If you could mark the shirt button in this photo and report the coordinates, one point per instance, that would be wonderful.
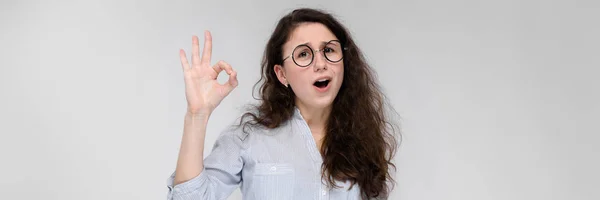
(273, 168)
(323, 192)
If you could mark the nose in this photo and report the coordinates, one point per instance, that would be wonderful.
(320, 61)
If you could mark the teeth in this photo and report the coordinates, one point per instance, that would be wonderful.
(322, 80)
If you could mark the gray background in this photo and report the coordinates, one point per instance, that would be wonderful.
(499, 99)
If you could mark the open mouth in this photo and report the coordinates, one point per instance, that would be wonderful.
(322, 83)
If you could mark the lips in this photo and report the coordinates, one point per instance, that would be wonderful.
(321, 84)
(322, 81)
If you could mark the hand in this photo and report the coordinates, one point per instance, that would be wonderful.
(202, 91)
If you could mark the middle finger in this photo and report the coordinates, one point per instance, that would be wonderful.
(207, 51)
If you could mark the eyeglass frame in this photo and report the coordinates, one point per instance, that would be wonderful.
(312, 59)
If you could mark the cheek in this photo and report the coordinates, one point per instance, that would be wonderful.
(297, 78)
(339, 72)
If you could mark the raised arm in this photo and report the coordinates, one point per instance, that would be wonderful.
(203, 95)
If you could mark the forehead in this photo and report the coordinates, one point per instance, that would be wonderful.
(312, 33)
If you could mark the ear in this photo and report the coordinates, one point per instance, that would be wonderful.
(280, 72)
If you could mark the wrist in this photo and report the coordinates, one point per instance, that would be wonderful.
(199, 113)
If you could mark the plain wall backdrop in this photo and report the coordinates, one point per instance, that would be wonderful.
(499, 99)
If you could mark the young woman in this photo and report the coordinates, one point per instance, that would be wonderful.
(321, 130)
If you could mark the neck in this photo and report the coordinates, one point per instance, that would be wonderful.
(316, 118)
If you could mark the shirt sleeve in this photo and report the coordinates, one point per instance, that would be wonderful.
(221, 173)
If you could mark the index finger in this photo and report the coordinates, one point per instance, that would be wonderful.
(207, 51)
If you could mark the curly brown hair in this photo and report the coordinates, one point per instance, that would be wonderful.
(360, 140)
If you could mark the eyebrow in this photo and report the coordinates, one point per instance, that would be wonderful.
(322, 42)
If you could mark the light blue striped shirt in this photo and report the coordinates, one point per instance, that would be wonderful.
(267, 164)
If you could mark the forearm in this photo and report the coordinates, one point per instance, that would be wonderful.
(191, 153)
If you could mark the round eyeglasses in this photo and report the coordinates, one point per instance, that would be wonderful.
(303, 55)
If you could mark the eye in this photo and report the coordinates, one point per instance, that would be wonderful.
(302, 54)
(328, 50)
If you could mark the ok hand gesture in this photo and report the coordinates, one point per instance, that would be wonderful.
(202, 91)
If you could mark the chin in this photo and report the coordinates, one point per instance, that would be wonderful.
(318, 100)
(316, 103)
(323, 103)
